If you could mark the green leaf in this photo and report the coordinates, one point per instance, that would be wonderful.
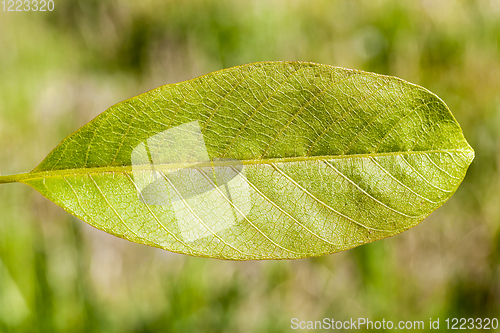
(271, 160)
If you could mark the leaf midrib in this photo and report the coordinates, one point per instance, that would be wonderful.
(176, 166)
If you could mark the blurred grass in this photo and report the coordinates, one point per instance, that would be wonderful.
(58, 70)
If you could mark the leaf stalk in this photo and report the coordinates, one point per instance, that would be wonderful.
(13, 178)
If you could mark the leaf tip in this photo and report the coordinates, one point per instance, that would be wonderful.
(470, 154)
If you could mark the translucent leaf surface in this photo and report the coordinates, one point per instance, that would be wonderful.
(272, 160)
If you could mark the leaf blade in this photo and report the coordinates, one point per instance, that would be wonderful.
(310, 138)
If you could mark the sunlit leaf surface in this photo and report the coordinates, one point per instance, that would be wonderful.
(272, 160)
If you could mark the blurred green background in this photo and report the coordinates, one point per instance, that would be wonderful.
(60, 69)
